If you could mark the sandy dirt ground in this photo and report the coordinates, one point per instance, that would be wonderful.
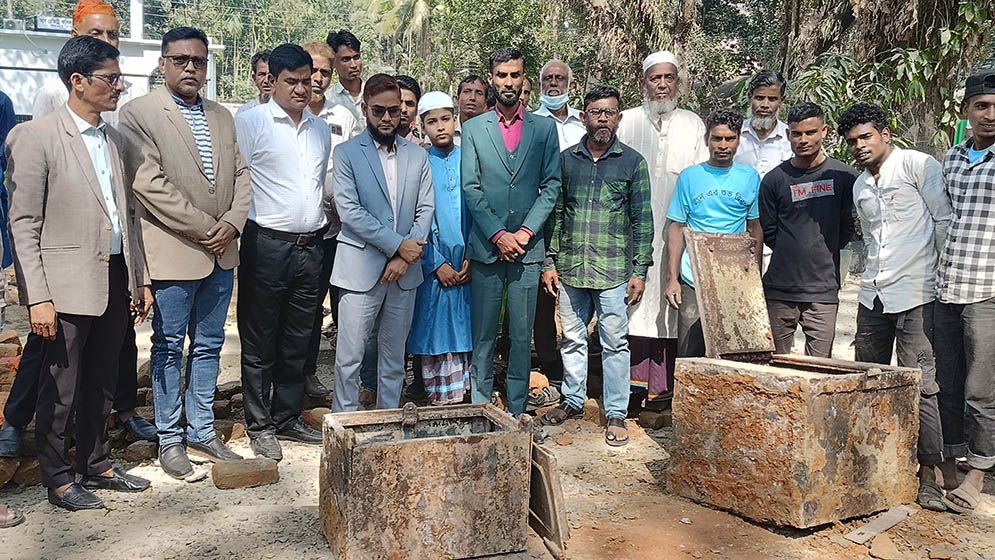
(617, 506)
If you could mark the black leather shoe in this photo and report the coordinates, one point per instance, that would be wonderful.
(75, 499)
(120, 481)
(266, 445)
(174, 461)
(10, 441)
(213, 450)
(300, 432)
(141, 428)
(314, 388)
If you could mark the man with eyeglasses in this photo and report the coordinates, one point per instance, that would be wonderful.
(78, 252)
(92, 18)
(383, 192)
(599, 251)
(189, 177)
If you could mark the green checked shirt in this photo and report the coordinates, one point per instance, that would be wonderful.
(602, 226)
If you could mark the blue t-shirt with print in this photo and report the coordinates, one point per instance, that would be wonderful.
(713, 199)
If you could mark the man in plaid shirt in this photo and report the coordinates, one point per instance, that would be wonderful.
(965, 313)
(600, 249)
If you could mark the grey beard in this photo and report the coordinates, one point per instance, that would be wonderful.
(661, 106)
(765, 124)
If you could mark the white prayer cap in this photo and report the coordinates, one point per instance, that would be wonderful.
(434, 100)
(659, 57)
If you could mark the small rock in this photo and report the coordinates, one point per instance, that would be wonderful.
(227, 390)
(8, 350)
(563, 439)
(8, 466)
(10, 337)
(141, 451)
(941, 552)
(143, 397)
(315, 417)
(222, 408)
(553, 431)
(237, 431)
(884, 549)
(686, 520)
(237, 401)
(654, 420)
(245, 474)
(28, 473)
(593, 412)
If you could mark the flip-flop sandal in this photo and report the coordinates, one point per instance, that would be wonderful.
(13, 522)
(931, 496)
(965, 496)
(612, 437)
(560, 414)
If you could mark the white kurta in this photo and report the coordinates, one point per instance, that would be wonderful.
(670, 144)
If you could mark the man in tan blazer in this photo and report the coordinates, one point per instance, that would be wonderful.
(191, 181)
(77, 250)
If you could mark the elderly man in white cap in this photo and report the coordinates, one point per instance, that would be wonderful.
(671, 140)
(440, 338)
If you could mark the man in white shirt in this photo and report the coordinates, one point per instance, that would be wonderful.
(671, 140)
(349, 69)
(286, 148)
(904, 213)
(764, 142)
(260, 77)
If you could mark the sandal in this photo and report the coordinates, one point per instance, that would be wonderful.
(930, 496)
(16, 519)
(616, 435)
(560, 414)
(964, 495)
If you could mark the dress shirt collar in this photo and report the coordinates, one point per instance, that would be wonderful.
(572, 114)
(519, 114)
(199, 104)
(893, 159)
(443, 155)
(581, 148)
(341, 91)
(780, 131)
(84, 126)
(279, 114)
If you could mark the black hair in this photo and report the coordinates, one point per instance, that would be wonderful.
(288, 57)
(182, 34)
(469, 80)
(379, 83)
(862, 113)
(601, 92)
(806, 110)
(728, 117)
(490, 99)
(767, 78)
(506, 54)
(343, 38)
(84, 55)
(261, 56)
(410, 84)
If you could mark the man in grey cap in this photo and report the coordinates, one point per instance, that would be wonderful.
(965, 312)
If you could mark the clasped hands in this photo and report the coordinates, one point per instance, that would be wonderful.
(512, 245)
(407, 254)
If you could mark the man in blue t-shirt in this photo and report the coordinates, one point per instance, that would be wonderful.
(717, 196)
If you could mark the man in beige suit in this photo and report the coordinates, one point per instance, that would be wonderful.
(77, 248)
(189, 177)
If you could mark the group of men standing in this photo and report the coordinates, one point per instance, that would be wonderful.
(428, 238)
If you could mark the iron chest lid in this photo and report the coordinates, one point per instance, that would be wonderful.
(730, 296)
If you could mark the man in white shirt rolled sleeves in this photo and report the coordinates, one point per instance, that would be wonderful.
(905, 213)
(286, 148)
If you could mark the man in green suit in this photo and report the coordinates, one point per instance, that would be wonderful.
(511, 179)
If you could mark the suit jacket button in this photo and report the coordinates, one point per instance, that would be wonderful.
(513, 185)
(107, 227)
(107, 258)
(390, 219)
(210, 191)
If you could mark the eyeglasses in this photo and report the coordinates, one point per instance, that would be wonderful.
(379, 111)
(110, 79)
(606, 112)
(180, 61)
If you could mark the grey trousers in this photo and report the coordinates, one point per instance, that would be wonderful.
(690, 338)
(910, 333)
(965, 360)
(358, 313)
(818, 322)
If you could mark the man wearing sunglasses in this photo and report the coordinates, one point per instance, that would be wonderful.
(187, 173)
(383, 192)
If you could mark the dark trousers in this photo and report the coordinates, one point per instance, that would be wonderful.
(544, 336)
(965, 362)
(910, 333)
(690, 337)
(20, 407)
(818, 322)
(78, 377)
(324, 288)
(277, 303)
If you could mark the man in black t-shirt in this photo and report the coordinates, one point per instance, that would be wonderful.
(806, 210)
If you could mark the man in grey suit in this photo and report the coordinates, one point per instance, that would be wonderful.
(383, 192)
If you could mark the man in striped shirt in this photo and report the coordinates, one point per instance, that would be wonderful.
(189, 176)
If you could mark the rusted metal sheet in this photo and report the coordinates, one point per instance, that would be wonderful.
(547, 510)
(730, 296)
(425, 483)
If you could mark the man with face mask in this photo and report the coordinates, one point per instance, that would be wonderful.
(555, 80)
(671, 140)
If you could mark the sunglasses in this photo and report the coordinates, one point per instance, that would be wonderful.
(379, 111)
(111, 79)
(181, 61)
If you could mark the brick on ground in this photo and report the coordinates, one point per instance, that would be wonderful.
(8, 466)
(28, 472)
(227, 390)
(315, 417)
(248, 473)
(141, 451)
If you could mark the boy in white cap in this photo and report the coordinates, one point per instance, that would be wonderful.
(440, 333)
(671, 140)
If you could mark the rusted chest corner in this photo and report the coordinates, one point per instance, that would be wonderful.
(427, 483)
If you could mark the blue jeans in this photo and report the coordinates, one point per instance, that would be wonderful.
(577, 306)
(197, 308)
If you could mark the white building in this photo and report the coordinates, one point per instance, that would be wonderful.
(29, 58)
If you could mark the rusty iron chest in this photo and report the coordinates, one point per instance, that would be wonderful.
(790, 440)
(425, 483)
